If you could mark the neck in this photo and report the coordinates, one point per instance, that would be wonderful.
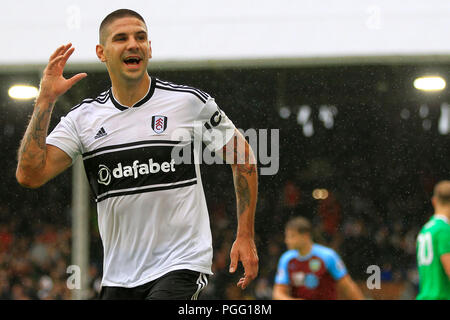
(306, 249)
(445, 213)
(441, 209)
(127, 93)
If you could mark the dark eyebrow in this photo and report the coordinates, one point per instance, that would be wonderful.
(122, 34)
(141, 32)
(119, 35)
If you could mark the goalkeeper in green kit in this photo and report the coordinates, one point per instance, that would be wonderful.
(433, 248)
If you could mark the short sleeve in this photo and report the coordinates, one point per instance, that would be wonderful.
(282, 276)
(443, 241)
(216, 128)
(65, 137)
(335, 266)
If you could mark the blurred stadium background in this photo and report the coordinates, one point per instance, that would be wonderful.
(360, 146)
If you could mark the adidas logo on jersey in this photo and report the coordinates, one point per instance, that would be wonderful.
(100, 133)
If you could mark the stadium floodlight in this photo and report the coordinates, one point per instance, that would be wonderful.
(430, 83)
(320, 194)
(23, 92)
(284, 112)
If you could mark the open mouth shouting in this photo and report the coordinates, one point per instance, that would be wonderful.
(132, 62)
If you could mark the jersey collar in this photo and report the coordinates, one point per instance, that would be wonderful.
(307, 256)
(147, 97)
(442, 217)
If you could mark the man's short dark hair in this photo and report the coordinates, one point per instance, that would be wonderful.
(120, 13)
(442, 192)
(300, 224)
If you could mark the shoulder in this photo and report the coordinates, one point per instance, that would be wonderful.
(288, 256)
(435, 226)
(442, 229)
(430, 224)
(183, 91)
(444, 224)
(102, 98)
(333, 263)
(282, 275)
(325, 253)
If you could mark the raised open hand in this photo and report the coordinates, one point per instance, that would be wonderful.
(53, 83)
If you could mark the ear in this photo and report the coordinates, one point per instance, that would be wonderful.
(100, 53)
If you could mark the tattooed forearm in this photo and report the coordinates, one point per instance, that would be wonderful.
(246, 187)
(33, 146)
(242, 193)
(246, 169)
(40, 121)
(239, 155)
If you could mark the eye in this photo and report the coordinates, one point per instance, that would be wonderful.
(141, 36)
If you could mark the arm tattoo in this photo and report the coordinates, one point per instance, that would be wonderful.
(238, 154)
(246, 169)
(35, 137)
(40, 125)
(242, 192)
(242, 174)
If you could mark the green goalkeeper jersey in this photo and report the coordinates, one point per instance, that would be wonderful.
(432, 242)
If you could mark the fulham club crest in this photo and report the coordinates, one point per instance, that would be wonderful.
(159, 124)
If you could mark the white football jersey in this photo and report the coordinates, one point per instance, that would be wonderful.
(152, 211)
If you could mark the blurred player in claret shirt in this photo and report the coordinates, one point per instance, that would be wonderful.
(309, 271)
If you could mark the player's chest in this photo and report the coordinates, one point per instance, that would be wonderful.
(136, 125)
(302, 272)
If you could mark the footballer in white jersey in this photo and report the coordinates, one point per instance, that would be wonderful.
(152, 212)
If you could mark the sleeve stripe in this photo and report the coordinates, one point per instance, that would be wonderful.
(182, 90)
(181, 87)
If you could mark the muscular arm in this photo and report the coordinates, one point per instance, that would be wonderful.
(445, 260)
(245, 183)
(243, 163)
(37, 162)
(349, 289)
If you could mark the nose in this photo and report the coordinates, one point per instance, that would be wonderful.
(132, 44)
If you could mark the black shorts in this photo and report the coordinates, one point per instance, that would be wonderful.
(175, 285)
